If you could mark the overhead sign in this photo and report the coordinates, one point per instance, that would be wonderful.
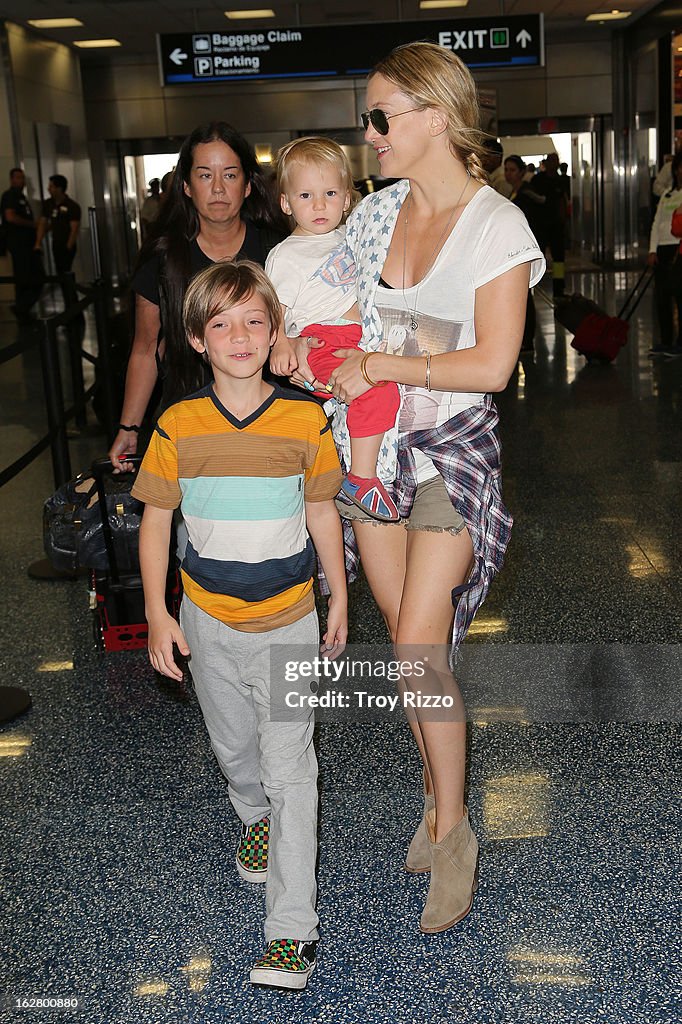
(204, 57)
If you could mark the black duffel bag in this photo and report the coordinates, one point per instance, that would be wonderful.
(72, 524)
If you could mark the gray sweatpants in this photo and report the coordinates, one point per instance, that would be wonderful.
(270, 767)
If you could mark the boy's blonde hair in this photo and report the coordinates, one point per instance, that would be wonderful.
(313, 149)
(431, 76)
(223, 285)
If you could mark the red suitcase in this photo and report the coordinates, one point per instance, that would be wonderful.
(596, 335)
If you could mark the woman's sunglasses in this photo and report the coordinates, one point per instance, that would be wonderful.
(379, 119)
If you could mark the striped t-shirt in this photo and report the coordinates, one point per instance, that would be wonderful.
(241, 485)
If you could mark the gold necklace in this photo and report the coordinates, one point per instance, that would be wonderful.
(412, 313)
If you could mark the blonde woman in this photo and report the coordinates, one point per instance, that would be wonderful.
(444, 265)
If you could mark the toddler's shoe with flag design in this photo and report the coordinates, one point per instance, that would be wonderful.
(286, 963)
(370, 495)
(252, 851)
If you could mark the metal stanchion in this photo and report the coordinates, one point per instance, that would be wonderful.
(94, 243)
(59, 448)
(57, 416)
(104, 370)
(54, 402)
(74, 333)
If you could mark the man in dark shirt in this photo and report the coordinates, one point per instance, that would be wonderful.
(550, 184)
(20, 233)
(62, 218)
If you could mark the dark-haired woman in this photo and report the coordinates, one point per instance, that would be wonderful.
(219, 207)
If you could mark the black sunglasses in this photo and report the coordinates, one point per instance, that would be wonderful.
(379, 119)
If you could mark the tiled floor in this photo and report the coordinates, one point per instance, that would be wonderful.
(118, 881)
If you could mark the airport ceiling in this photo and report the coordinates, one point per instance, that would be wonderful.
(134, 23)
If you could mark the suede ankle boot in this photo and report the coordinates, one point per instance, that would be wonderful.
(454, 875)
(418, 857)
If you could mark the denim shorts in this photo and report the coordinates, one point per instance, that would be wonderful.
(432, 510)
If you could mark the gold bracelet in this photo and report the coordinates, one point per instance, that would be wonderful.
(427, 382)
(365, 375)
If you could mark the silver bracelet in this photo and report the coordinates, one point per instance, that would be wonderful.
(428, 371)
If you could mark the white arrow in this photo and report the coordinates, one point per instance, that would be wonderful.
(177, 56)
(524, 38)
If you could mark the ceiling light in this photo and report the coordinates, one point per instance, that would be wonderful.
(236, 15)
(95, 44)
(609, 16)
(55, 23)
(263, 153)
(430, 5)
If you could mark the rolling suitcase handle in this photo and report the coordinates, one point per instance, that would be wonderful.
(622, 315)
(100, 469)
(632, 294)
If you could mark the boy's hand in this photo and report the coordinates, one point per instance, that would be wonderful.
(163, 633)
(302, 376)
(283, 359)
(337, 629)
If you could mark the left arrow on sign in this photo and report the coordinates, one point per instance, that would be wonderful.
(177, 56)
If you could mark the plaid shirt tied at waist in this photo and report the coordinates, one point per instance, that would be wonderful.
(466, 452)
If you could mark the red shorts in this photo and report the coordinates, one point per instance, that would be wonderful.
(371, 413)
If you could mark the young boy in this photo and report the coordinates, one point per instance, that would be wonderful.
(250, 465)
(314, 276)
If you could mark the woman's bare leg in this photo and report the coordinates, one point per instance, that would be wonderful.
(436, 562)
(383, 553)
(411, 575)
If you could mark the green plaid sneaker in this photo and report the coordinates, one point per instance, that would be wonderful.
(286, 963)
(252, 851)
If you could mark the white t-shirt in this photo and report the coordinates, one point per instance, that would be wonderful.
(314, 277)
(660, 229)
(490, 237)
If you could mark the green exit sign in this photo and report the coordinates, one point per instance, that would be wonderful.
(499, 37)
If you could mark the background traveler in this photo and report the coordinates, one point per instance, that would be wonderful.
(61, 217)
(531, 203)
(492, 162)
(20, 233)
(552, 221)
(150, 208)
(663, 257)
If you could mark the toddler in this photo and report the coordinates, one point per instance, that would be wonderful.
(314, 277)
